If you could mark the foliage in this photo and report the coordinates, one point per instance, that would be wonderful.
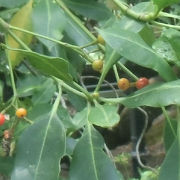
(46, 46)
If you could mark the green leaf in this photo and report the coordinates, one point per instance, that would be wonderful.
(21, 19)
(173, 37)
(78, 102)
(80, 118)
(76, 32)
(155, 95)
(6, 165)
(12, 3)
(170, 167)
(104, 115)
(90, 149)
(39, 111)
(65, 117)
(168, 134)
(44, 94)
(70, 145)
(132, 46)
(93, 10)
(7, 13)
(52, 66)
(39, 150)
(164, 3)
(28, 84)
(163, 47)
(48, 21)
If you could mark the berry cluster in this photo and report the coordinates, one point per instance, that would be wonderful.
(20, 113)
(124, 83)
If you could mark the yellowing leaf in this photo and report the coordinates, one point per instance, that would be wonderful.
(21, 19)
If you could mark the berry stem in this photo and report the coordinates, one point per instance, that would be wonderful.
(23, 45)
(76, 48)
(77, 21)
(116, 72)
(164, 14)
(57, 101)
(141, 17)
(18, 40)
(127, 71)
(82, 90)
(73, 47)
(106, 68)
(89, 44)
(165, 25)
(69, 88)
(28, 120)
(12, 80)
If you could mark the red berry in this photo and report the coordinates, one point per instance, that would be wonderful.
(123, 84)
(142, 82)
(2, 119)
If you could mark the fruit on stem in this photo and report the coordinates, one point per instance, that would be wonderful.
(2, 119)
(97, 65)
(142, 82)
(123, 84)
(21, 112)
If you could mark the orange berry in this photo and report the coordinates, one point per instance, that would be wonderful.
(123, 84)
(21, 112)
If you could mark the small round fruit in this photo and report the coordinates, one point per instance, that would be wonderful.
(123, 84)
(97, 65)
(21, 112)
(2, 119)
(7, 134)
(142, 82)
(100, 40)
(95, 95)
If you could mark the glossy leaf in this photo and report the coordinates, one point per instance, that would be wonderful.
(39, 150)
(65, 117)
(163, 47)
(156, 95)
(21, 19)
(80, 118)
(28, 84)
(75, 31)
(93, 10)
(39, 111)
(131, 46)
(78, 102)
(70, 145)
(104, 115)
(170, 167)
(173, 37)
(48, 21)
(52, 66)
(164, 3)
(97, 165)
(44, 94)
(12, 3)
